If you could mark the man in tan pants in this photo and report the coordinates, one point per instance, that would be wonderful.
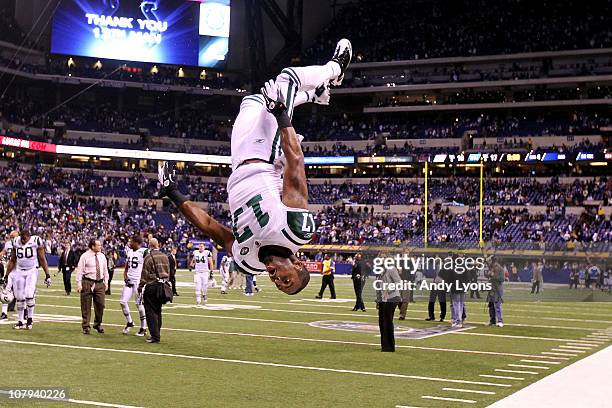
(92, 283)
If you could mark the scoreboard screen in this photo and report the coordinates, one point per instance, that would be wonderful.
(177, 32)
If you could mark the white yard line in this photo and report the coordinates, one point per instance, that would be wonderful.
(257, 363)
(567, 350)
(529, 366)
(81, 402)
(501, 370)
(268, 336)
(448, 399)
(320, 313)
(559, 354)
(564, 346)
(469, 391)
(559, 389)
(540, 362)
(583, 345)
(503, 377)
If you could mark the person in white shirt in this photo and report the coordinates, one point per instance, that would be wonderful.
(202, 264)
(92, 283)
(27, 254)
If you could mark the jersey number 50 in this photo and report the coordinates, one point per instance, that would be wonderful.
(26, 252)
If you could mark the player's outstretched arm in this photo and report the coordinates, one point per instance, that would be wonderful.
(218, 232)
(199, 218)
(295, 188)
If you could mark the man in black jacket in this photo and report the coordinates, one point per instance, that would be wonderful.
(67, 263)
(172, 260)
(357, 275)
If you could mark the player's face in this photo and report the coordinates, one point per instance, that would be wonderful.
(284, 273)
(201, 247)
(25, 236)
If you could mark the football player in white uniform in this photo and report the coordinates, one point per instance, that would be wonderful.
(27, 254)
(224, 271)
(202, 265)
(268, 192)
(5, 255)
(134, 261)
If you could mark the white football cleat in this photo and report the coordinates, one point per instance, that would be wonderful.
(342, 55)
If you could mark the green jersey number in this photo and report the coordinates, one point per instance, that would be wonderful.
(262, 218)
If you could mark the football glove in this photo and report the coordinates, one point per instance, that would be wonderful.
(274, 100)
(321, 94)
(48, 282)
(166, 174)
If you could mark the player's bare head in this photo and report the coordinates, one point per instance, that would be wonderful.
(201, 247)
(13, 234)
(135, 241)
(287, 271)
(24, 234)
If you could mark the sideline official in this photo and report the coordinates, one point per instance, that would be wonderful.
(92, 282)
(153, 280)
(329, 266)
(358, 277)
(67, 263)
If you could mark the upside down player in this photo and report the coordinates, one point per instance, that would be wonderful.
(268, 193)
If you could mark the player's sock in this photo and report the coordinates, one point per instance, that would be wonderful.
(30, 303)
(198, 299)
(5, 308)
(20, 304)
(143, 318)
(126, 312)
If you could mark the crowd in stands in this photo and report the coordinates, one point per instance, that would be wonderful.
(395, 30)
(468, 96)
(457, 72)
(60, 205)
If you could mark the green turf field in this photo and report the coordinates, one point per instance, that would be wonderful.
(261, 351)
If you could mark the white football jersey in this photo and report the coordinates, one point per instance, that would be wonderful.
(27, 253)
(225, 263)
(135, 261)
(200, 258)
(259, 217)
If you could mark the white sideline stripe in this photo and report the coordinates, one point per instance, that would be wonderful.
(567, 350)
(269, 336)
(563, 346)
(469, 391)
(260, 363)
(540, 362)
(449, 399)
(529, 366)
(327, 313)
(559, 390)
(406, 406)
(500, 376)
(82, 402)
(510, 336)
(501, 370)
